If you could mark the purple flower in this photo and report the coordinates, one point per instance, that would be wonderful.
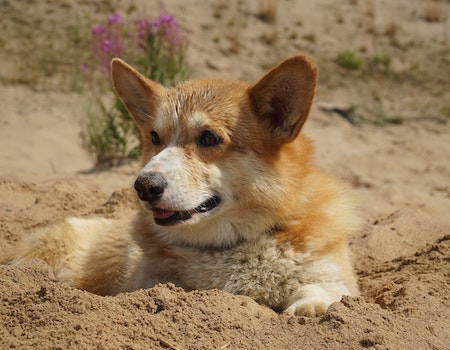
(116, 18)
(105, 46)
(98, 30)
(84, 68)
(142, 28)
(167, 27)
(163, 20)
(163, 36)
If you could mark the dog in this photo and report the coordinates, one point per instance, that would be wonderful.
(230, 198)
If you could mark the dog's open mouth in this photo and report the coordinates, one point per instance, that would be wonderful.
(166, 217)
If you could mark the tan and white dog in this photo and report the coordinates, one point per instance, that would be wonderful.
(230, 198)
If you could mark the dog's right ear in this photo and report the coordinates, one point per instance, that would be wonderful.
(139, 94)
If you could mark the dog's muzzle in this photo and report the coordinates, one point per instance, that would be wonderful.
(150, 188)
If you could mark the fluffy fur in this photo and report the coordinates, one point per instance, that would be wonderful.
(231, 199)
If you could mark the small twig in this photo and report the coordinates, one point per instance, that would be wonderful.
(168, 344)
(226, 345)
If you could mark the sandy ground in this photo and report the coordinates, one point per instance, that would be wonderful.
(400, 173)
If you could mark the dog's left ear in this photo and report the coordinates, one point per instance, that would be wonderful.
(282, 99)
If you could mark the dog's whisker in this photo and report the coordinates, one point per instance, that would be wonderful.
(140, 110)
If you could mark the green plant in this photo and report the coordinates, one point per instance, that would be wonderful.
(156, 48)
(349, 60)
(108, 134)
(445, 111)
(74, 34)
(382, 61)
(163, 46)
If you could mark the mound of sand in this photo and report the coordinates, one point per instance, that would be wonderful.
(402, 263)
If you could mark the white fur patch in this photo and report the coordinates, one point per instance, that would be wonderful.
(182, 192)
(314, 299)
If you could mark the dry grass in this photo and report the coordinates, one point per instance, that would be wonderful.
(370, 9)
(232, 18)
(391, 29)
(267, 11)
(433, 12)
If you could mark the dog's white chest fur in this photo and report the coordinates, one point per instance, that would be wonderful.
(260, 269)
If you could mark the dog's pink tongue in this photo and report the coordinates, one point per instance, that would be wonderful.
(162, 213)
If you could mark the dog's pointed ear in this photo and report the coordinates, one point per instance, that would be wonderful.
(282, 99)
(139, 94)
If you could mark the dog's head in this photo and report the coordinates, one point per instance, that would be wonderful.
(212, 149)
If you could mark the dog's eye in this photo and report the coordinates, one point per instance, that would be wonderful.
(155, 138)
(208, 138)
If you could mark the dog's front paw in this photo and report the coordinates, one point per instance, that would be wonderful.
(312, 300)
(308, 307)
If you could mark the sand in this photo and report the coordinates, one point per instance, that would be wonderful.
(399, 173)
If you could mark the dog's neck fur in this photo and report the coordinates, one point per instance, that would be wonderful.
(216, 234)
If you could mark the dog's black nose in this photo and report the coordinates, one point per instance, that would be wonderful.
(150, 186)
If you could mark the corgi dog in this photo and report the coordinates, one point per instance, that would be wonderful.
(230, 198)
